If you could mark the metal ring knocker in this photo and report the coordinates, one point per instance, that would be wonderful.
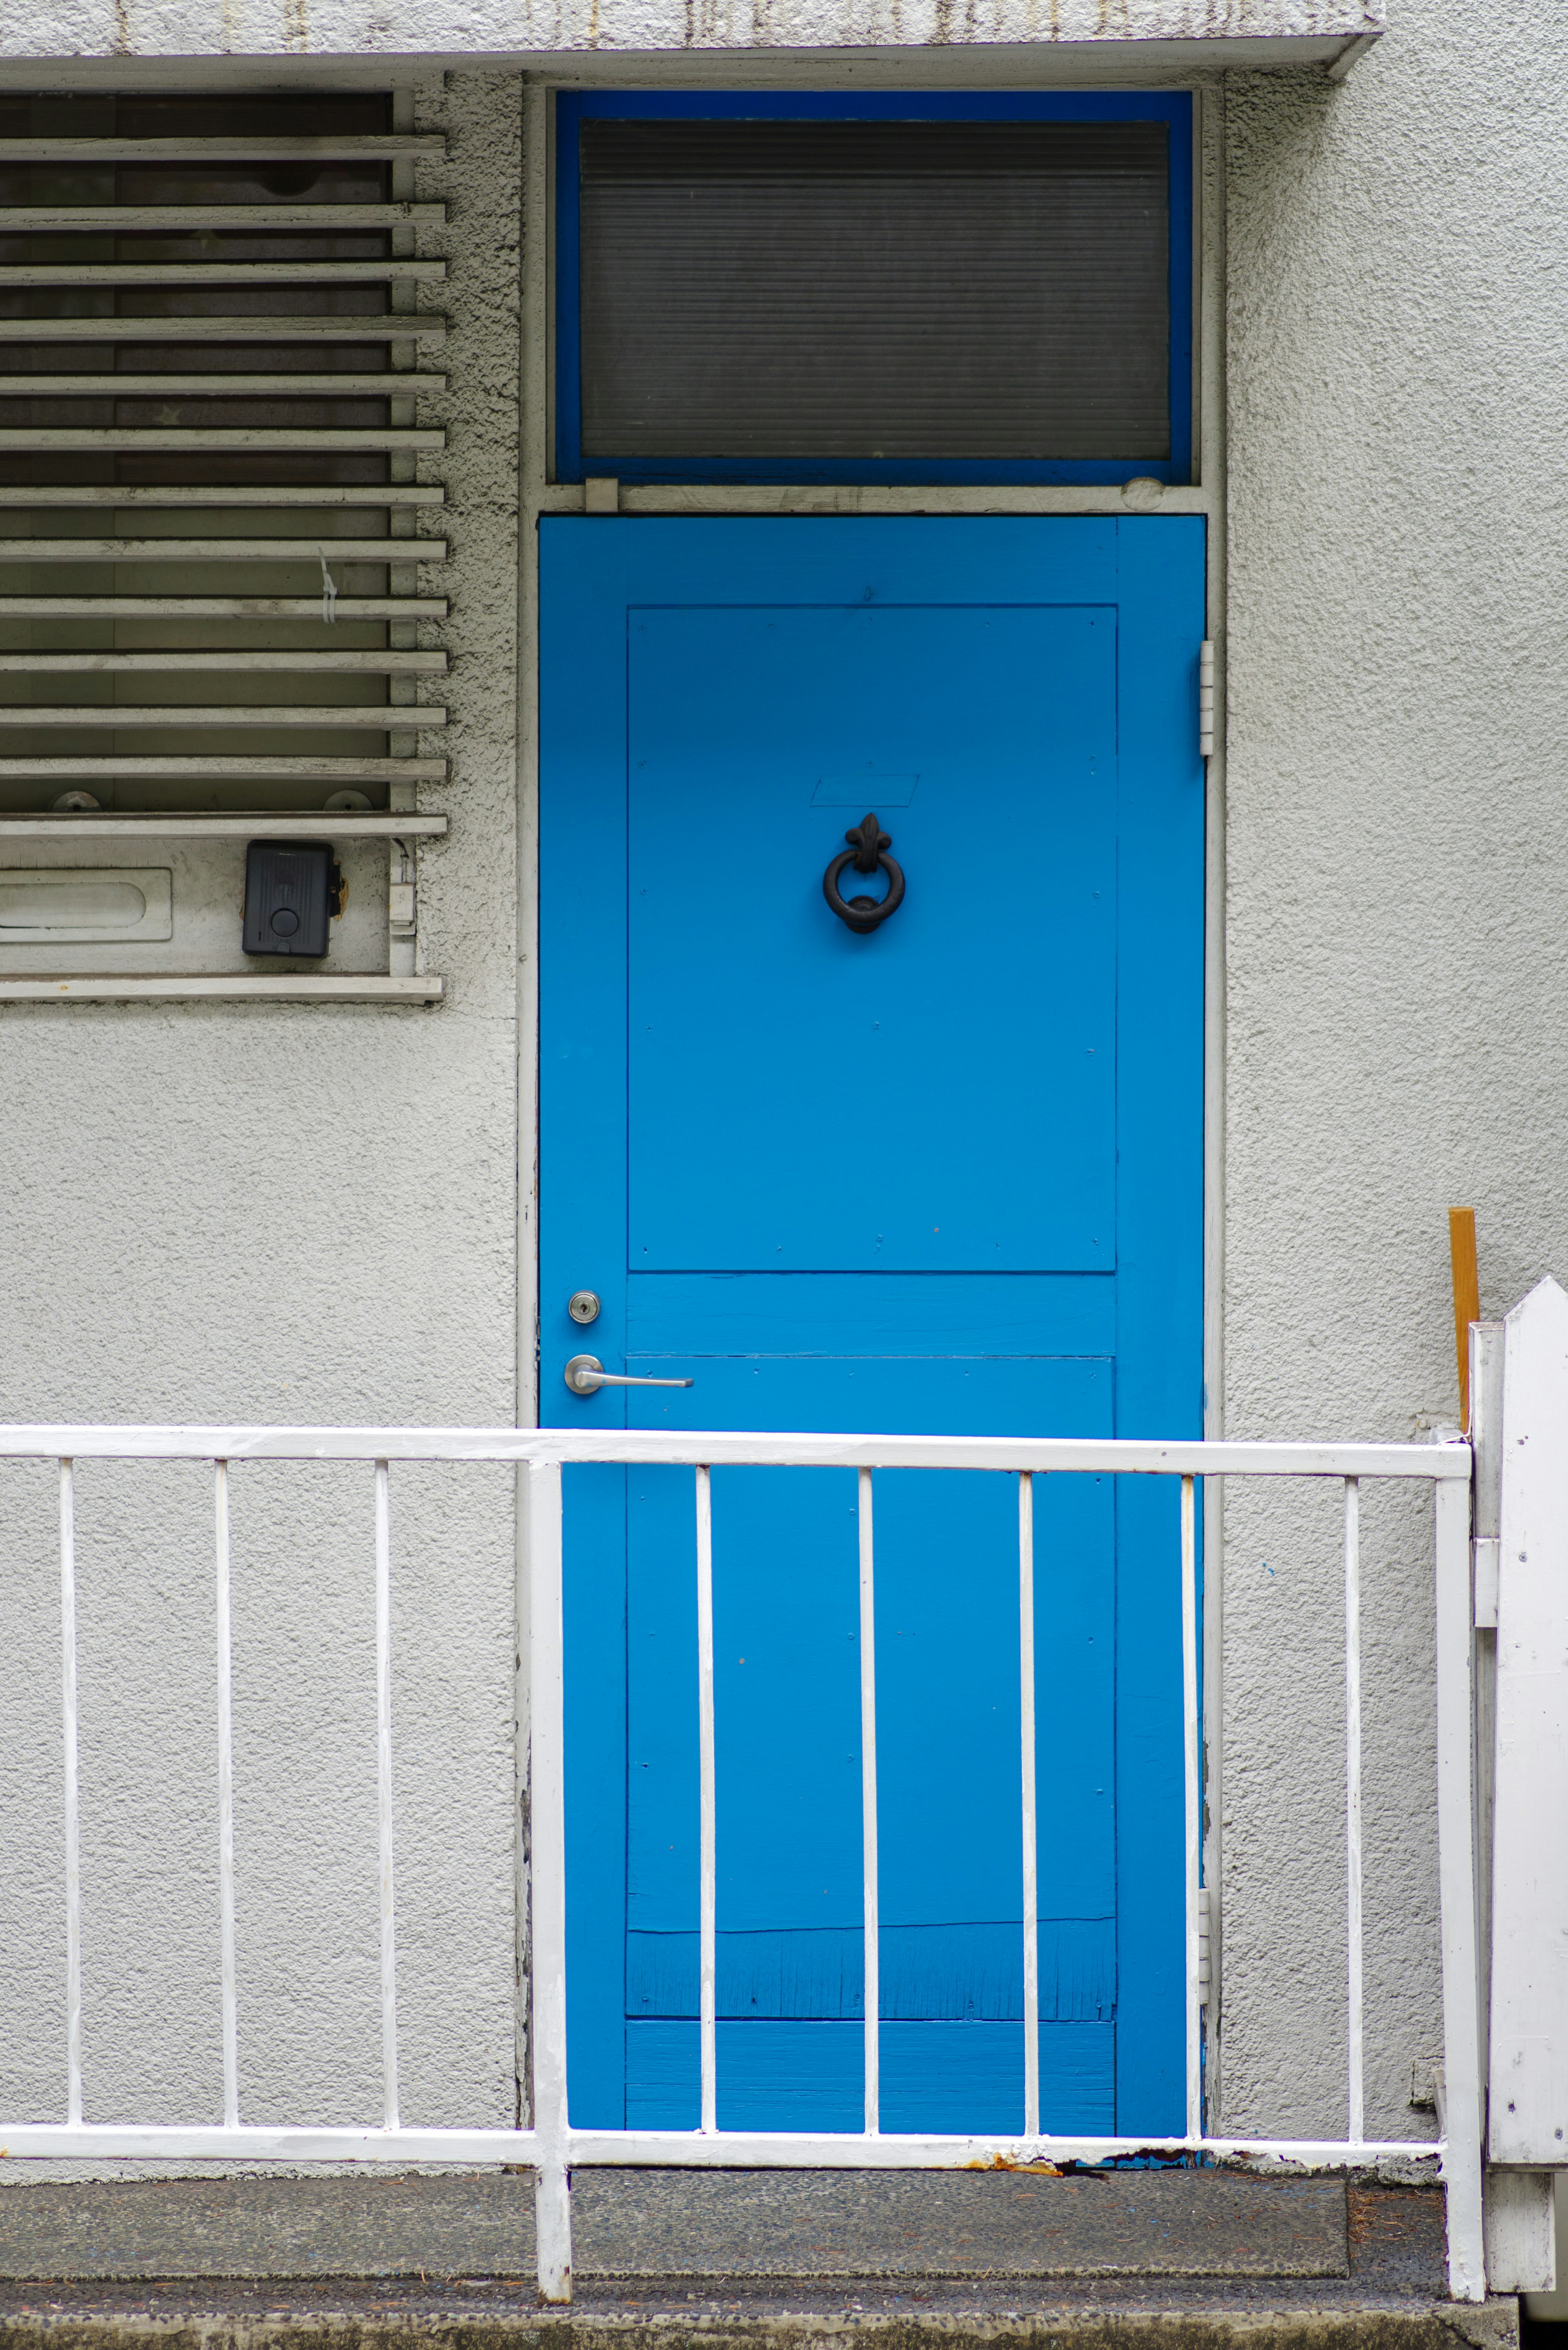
(867, 850)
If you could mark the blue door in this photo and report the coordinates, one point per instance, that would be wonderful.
(941, 1175)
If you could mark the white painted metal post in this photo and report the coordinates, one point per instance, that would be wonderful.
(1031, 1832)
(73, 1837)
(226, 1804)
(547, 1882)
(868, 1810)
(1487, 1355)
(384, 1797)
(1456, 1875)
(1192, 1787)
(1355, 2097)
(708, 1827)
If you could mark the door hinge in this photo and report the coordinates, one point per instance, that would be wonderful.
(1206, 699)
(1486, 1551)
(1203, 1944)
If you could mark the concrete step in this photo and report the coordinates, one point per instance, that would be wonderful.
(770, 2260)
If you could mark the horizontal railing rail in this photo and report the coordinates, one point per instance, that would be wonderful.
(715, 1448)
(552, 2146)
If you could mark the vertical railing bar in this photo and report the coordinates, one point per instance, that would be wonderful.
(868, 1810)
(708, 1829)
(1355, 2097)
(73, 1835)
(547, 1882)
(384, 1797)
(1193, 1794)
(226, 1801)
(1031, 1829)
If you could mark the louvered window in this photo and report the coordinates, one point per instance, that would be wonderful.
(211, 353)
(938, 295)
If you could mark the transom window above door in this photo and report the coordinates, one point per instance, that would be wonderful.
(793, 288)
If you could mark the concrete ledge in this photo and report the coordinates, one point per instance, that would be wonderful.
(434, 34)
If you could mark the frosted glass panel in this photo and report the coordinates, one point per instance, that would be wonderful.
(875, 290)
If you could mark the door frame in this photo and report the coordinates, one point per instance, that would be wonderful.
(538, 495)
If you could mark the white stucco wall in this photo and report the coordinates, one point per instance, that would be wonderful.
(229, 1212)
(1396, 951)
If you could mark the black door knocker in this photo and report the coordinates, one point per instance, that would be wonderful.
(867, 848)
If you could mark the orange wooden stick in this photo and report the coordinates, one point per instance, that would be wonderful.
(1467, 1297)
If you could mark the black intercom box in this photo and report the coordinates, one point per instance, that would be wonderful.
(291, 888)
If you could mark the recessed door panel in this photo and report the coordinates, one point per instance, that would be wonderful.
(939, 1097)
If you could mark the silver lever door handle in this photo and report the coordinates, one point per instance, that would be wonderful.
(586, 1374)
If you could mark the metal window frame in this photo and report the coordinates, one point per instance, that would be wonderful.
(1173, 107)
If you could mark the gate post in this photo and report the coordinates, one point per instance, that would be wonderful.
(1520, 2247)
(547, 1882)
(1527, 2119)
(1456, 1891)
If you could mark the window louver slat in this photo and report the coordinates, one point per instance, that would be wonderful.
(209, 348)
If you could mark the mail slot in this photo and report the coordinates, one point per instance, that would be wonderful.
(62, 905)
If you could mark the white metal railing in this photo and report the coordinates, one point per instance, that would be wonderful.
(552, 2146)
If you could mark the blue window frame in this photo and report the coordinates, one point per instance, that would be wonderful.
(576, 107)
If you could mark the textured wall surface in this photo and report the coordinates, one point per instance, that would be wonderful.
(292, 1214)
(1397, 955)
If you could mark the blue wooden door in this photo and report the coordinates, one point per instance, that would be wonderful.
(944, 1176)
